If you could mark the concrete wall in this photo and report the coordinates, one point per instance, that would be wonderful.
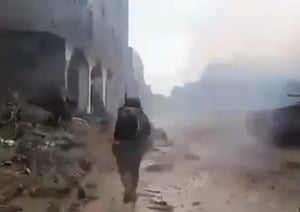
(111, 47)
(29, 60)
(98, 27)
(108, 47)
(67, 18)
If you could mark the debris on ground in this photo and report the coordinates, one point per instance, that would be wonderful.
(159, 167)
(157, 201)
(191, 156)
(40, 160)
(196, 203)
(11, 208)
(292, 165)
(152, 191)
(162, 208)
(160, 205)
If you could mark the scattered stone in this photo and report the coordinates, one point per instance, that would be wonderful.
(166, 208)
(32, 157)
(147, 195)
(292, 165)
(159, 167)
(160, 202)
(196, 203)
(7, 163)
(39, 133)
(152, 191)
(50, 192)
(11, 208)
(6, 143)
(81, 193)
(252, 178)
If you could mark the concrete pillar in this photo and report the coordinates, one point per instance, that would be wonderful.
(84, 88)
(68, 54)
(79, 80)
(104, 87)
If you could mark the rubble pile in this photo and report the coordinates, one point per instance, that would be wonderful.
(39, 160)
(157, 202)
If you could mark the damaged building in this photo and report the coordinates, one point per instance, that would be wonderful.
(138, 86)
(79, 45)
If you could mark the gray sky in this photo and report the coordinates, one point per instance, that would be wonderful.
(178, 38)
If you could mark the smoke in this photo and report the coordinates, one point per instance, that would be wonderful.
(235, 30)
(179, 42)
(243, 56)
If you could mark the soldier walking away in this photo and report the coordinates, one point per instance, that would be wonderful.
(131, 132)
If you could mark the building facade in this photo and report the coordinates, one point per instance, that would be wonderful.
(76, 44)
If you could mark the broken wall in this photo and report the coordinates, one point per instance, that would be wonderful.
(110, 28)
(99, 27)
(29, 60)
(67, 18)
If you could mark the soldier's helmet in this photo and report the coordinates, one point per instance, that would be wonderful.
(133, 102)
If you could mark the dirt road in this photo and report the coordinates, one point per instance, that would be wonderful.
(212, 168)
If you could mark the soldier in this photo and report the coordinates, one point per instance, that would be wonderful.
(131, 132)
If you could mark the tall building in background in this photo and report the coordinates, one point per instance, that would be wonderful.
(139, 88)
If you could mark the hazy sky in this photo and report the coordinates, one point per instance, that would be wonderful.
(178, 38)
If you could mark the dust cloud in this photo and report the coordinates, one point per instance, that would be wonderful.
(258, 32)
(221, 139)
(243, 58)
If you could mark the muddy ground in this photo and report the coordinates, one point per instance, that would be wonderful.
(212, 166)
